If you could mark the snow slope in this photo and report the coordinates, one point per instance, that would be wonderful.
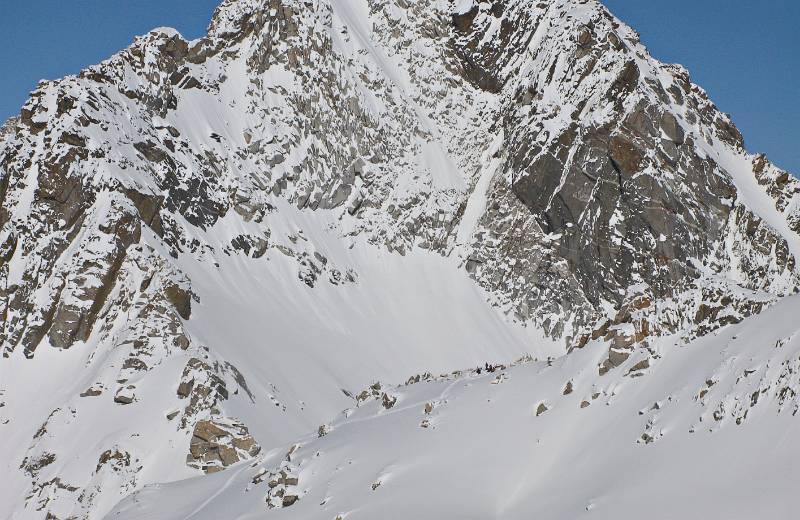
(486, 453)
(404, 315)
(301, 354)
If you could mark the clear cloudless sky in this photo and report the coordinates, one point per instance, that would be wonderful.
(745, 53)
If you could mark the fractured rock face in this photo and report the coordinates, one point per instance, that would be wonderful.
(672, 128)
(282, 484)
(204, 387)
(610, 181)
(219, 443)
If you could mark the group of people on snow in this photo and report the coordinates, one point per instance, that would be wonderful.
(488, 368)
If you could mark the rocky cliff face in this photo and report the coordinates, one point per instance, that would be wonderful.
(608, 152)
(188, 228)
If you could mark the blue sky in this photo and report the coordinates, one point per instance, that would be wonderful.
(745, 53)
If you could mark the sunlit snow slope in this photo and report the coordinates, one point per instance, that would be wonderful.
(511, 444)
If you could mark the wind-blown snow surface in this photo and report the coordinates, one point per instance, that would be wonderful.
(485, 452)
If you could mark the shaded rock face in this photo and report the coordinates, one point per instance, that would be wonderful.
(479, 57)
(595, 146)
(618, 217)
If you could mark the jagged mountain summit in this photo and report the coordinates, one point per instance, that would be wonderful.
(257, 270)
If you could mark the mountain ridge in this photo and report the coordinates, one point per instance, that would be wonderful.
(347, 192)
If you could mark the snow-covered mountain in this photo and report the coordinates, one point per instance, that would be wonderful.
(209, 249)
